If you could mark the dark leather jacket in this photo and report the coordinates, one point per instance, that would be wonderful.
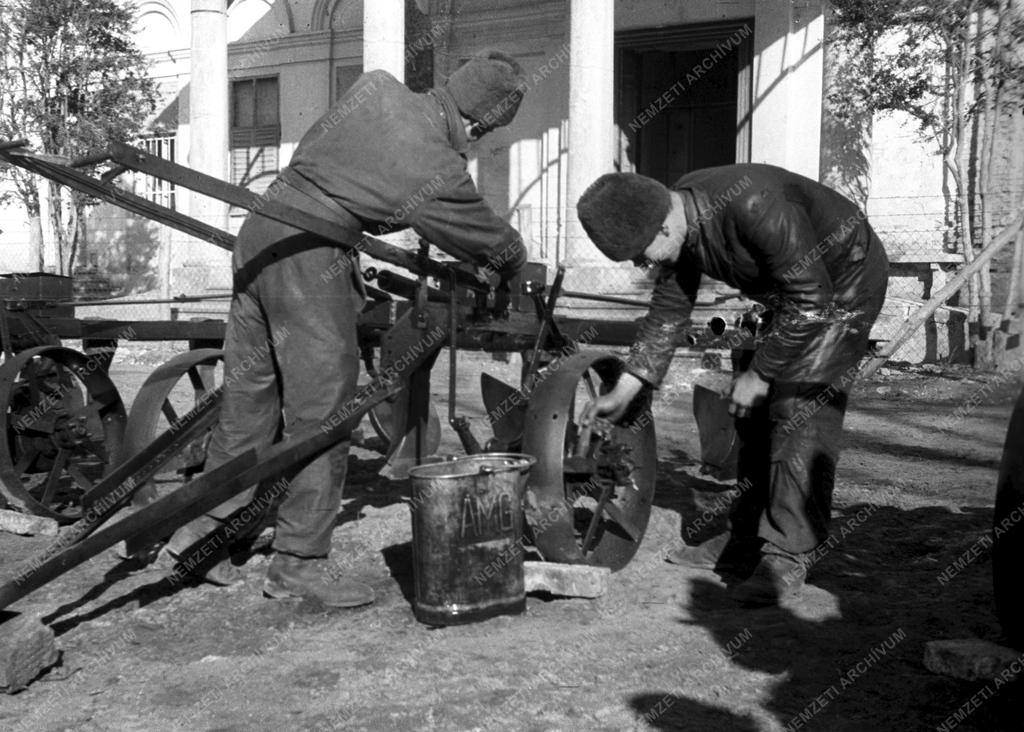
(797, 246)
(394, 158)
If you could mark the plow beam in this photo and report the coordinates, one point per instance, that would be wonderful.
(206, 492)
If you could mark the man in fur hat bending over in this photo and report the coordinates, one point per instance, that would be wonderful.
(382, 159)
(809, 255)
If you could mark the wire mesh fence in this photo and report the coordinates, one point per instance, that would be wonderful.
(139, 270)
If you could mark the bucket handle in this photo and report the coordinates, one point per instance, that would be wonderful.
(522, 467)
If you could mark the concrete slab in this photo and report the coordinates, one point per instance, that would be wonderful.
(25, 524)
(27, 648)
(566, 580)
(972, 659)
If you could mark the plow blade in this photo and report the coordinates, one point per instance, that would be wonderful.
(506, 409)
(719, 443)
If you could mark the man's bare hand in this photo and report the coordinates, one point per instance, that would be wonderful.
(748, 391)
(613, 405)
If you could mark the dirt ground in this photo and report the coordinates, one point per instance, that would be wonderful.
(665, 649)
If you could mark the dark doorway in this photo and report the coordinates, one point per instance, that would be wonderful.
(683, 98)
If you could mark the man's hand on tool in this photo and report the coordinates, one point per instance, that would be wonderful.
(748, 390)
(613, 405)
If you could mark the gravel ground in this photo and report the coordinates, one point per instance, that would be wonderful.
(664, 649)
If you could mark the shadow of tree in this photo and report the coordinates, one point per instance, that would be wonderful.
(124, 248)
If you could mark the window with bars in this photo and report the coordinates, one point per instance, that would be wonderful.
(157, 190)
(255, 132)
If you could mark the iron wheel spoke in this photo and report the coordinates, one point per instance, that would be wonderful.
(199, 384)
(79, 477)
(96, 448)
(53, 479)
(169, 412)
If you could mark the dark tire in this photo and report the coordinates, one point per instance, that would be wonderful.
(1008, 531)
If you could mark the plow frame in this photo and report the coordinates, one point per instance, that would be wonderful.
(404, 316)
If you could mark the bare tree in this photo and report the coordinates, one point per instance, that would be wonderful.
(954, 66)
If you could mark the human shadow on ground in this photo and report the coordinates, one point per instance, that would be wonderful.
(672, 712)
(847, 654)
(701, 500)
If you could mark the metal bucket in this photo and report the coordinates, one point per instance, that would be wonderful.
(467, 538)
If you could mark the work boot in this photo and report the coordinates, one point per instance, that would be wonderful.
(724, 552)
(216, 568)
(311, 577)
(779, 576)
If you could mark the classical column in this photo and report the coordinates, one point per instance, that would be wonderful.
(208, 131)
(591, 112)
(384, 36)
(208, 89)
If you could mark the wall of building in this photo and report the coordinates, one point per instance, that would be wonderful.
(521, 169)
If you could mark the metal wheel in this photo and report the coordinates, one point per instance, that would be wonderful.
(65, 428)
(382, 420)
(171, 391)
(589, 495)
(1008, 531)
(382, 416)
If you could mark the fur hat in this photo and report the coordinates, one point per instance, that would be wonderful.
(623, 212)
(488, 88)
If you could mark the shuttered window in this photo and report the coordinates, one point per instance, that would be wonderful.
(255, 132)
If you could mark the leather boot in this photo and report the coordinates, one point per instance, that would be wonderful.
(312, 577)
(778, 577)
(724, 552)
(216, 569)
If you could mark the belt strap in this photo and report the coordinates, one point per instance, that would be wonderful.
(312, 191)
(309, 189)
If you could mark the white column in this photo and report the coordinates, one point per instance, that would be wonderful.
(208, 123)
(384, 36)
(591, 112)
(208, 92)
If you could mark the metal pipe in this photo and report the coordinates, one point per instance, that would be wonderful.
(405, 287)
(717, 325)
(169, 301)
(605, 298)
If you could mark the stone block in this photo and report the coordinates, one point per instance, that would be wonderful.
(567, 580)
(26, 524)
(27, 648)
(971, 659)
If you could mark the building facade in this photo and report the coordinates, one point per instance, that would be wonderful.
(659, 87)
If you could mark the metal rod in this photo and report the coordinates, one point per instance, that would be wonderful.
(170, 301)
(452, 346)
(606, 298)
(544, 327)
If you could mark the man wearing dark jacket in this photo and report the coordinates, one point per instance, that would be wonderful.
(809, 255)
(382, 159)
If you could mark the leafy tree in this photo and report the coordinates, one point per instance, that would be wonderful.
(71, 80)
(955, 67)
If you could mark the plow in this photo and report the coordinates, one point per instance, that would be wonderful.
(73, 452)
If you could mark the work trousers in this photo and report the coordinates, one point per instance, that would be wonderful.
(789, 447)
(291, 360)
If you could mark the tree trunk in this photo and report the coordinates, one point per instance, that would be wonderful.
(961, 157)
(35, 242)
(989, 47)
